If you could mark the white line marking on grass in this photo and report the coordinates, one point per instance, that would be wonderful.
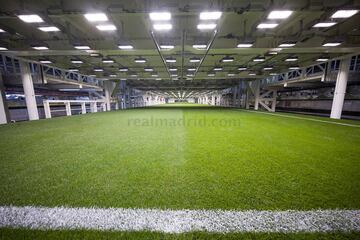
(179, 221)
(303, 118)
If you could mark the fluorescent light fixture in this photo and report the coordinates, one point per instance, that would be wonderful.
(140, 60)
(108, 61)
(98, 70)
(133, 75)
(294, 68)
(160, 16)
(96, 17)
(162, 26)
(45, 61)
(3, 49)
(252, 74)
(218, 69)
(189, 75)
(174, 75)
(32, 18)
(49, 29)
(148, 69)
(344, 13)
(112, 75)
(76, 61)
(244, 45)
(2, 30)
(92, 75)
(94, 55)
(194, 60)
(332, 44)
(274, 74)
(166, 46)
(287, 45)
(227, 59)
(40, 48)
(154, 75)
(322, 59)
(206, 26)
(280, 14)
(231, 74)
(73, 70)
(191, 69)
(291, 59)
(81, 47)
(242, 68)
(200, 46)
(158, 79)
(324, 24)
(173, 69)
(259, 59)
(211, 74)
(210, 15)
(124, 69)
(268, 68)
(106, 27)
(267, 25)
(170, 60)
(125, 47)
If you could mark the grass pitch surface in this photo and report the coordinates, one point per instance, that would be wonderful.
(180, 157)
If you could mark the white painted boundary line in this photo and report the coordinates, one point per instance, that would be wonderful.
(303, 118)
(179, 221)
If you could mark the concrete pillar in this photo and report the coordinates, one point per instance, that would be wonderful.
(4, 112)
(340, 89)
(29, 91)
(247, 98)
(117, 105)
(103, 105)
(108, 87)
(257, 94)
(83, 108)
(93, 107)
(213, 100)
(68, 108)
(47, 110)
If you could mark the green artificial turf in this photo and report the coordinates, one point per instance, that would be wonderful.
(179, 157)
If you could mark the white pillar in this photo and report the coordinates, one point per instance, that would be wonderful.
(117, 105)
(4, 113)
(273, 103)
(47, 110)
(93, 107)
(103, 106)
(29, 91)
(257, 94)
(68, 108)
(340, 89)
(83, 108)
(213, 100)
(107, 88)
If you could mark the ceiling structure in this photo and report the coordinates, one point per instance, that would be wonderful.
(238, 24)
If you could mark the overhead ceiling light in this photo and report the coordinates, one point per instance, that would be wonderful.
(267, 25)
(154, 75)
(191, 69)
(332, 44)
(218, 69)
(125, 47)
(174, 75)
(189, 75)
(92, 75)
(344, 13)
(76, 61)
(268, 68)
(322, 59)
(81, 47)
(200, 46)
(140, 60)
(287, 45)
(3, 49)
(210, 15)
(94, 55)
(242, 68)
(291, 59)
(49, 29)
(162, 26)
(211, 74)
(108, 61)
(160, 16)
(259, 59)
(45, 61)
(252, 74)
(170, 60)
(2, 30)
(227, 59)
(172, 69)
(40, 48)
(206, 26)
(280, 14)
(123, 69)
(324, 24)
(106, 27)
(158, 79)
(244, 45)
(134, 75)
(166, 46)
(194, 60)
(231, 74)
(73, 70)
(294, 68)
(274, 74)
(96, 17)
(32, 18)
(112, 75)
(148, 69)
(98, 70)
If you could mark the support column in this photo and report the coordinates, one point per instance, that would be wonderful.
(257, 94)
(273, 103)
(247, 97)
(68, 108)
(29, 91)
(83, 108)
(117, 105)
(340, 89)
(4, 112)
(103, 105)
(47, 110)
(93, 107)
